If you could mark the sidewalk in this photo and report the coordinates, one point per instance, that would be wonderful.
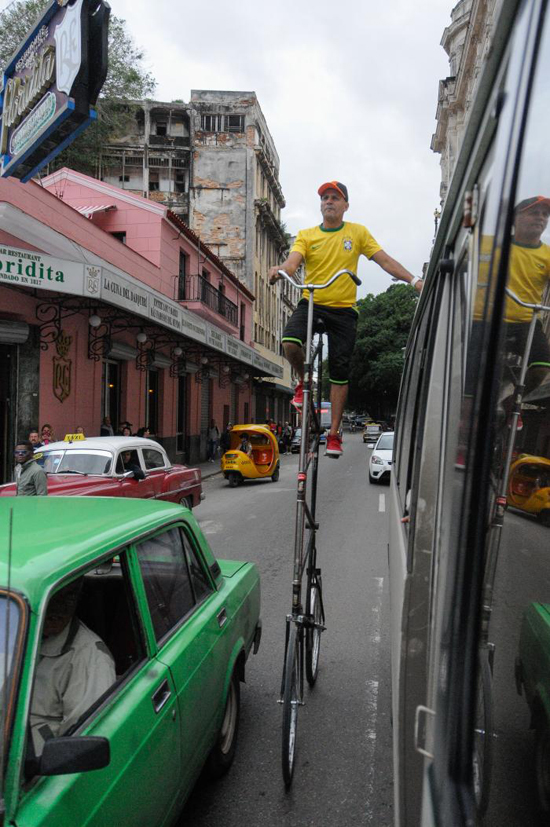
(209, 469)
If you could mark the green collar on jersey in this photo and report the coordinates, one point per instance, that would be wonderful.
(331, 229)
(528, 246)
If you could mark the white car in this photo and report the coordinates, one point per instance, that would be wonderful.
(380, 461)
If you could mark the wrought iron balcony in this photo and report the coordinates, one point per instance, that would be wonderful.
(198, 289)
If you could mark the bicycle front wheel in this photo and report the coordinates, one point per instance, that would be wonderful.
(291, 700)
(314, 610)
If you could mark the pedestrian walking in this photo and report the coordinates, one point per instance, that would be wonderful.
(106, 427)
(47, 434)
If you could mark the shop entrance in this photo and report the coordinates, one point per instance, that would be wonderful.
(7, 367)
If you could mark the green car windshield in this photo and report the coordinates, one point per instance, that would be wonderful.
(10, 623)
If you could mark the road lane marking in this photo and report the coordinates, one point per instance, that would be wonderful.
(372, 690)
(382, 502)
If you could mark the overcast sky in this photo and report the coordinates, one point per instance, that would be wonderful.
(348, 89)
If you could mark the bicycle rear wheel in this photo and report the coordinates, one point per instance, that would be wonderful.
(291, 700)
(314, 611)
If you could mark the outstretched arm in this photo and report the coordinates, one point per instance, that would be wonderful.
(391, 266)
(289, 266)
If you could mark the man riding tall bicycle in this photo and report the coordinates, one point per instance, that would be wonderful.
(332, 246)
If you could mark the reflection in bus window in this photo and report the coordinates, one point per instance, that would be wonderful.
(512, 729)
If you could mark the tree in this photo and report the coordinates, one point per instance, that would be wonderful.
(382, 331)
(127, 80)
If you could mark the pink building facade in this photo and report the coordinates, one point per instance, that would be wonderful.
(110, 306)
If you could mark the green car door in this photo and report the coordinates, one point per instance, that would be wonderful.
(190, 625)
(140, 718)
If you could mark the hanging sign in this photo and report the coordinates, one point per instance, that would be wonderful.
(51, 84)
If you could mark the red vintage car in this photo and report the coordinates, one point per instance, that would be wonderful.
(119, 466)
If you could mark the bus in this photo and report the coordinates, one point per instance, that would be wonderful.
(469, 567)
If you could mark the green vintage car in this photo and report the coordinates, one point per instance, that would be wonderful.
(123, 643)
(533, 679)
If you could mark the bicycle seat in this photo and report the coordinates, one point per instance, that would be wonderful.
(319, 325)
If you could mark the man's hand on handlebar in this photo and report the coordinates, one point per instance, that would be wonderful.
(273, 274)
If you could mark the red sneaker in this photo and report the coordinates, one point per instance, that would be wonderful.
(298, 398)
(334, 446)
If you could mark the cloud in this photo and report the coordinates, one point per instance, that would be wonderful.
(349, 90)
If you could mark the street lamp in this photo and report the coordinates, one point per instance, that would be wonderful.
(94, 320)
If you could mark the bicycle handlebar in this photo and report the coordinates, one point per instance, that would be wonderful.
(337, 275)
(517, 300)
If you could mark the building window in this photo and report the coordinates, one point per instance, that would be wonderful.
(152, 400)
(211, 123)
(181, 276)
(120, 237)
(181, 414)
(243, 321)
(234, 123)
(222, 123)
(110, 392)
(153, 182)
(162, 128)
(180, 182)
(124, 178)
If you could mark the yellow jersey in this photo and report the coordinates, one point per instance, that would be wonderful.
(528, 275)
(325, 251)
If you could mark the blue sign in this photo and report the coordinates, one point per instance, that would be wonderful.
(51, 84)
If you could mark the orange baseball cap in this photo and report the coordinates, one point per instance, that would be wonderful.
(532, 202)
(334, 185)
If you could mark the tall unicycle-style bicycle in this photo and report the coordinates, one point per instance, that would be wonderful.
(306, 621)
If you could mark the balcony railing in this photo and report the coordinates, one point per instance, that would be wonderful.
(198, 289)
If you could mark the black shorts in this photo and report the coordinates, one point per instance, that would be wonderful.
(515, 339)
(341, 326)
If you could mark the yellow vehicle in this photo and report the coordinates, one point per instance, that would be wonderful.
(529, 486)
(262, 459)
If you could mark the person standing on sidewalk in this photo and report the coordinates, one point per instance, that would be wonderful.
(225, 438)
(30, 479)
(334, 245)
(213, 440)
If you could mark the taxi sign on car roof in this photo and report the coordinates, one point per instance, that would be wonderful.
(73, 437)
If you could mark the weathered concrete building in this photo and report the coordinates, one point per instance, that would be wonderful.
(153, 159)
(235, 206)
(467, 41)
(213, 162)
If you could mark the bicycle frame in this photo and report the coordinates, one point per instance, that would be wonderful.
(304, 513)
(303, 628)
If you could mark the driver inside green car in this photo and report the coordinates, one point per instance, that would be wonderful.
(74, 670)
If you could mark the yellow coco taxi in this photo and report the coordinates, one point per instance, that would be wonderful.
(253, 454)
(529, 486)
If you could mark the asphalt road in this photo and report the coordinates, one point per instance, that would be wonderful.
(343, 772)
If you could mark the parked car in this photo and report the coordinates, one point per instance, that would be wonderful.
(371, 433)
(116, 467)
(381, 458)
(156, 638)
(296, 441)
(533, 680)
(529, 486)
